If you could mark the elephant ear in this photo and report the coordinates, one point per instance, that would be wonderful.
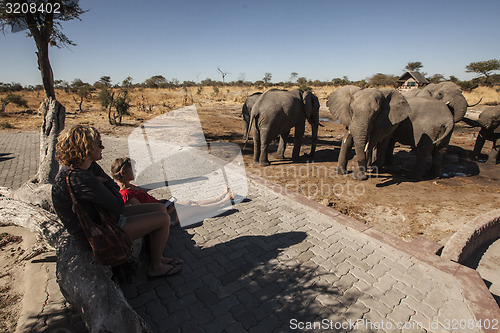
(339, 103)
(311, 104)
(395, 106)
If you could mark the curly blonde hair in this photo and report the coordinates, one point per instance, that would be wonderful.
(118, 165)
(75, 144)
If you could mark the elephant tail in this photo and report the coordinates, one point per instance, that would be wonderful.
(247, 134)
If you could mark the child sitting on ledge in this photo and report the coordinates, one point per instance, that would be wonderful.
(122, 172)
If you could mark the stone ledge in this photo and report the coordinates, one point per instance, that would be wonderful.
(481, 230)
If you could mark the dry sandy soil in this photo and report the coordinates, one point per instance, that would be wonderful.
(388, 201)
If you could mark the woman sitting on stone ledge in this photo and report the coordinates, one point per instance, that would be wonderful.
(78, 149)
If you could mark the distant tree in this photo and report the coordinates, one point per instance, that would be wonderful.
(155, 81)
(453, 78)
(361, 83)
(104, 82)
(301, 81)
(484, 68)
(127, 83)
(14, 99)
(80, 91)
(344, 81)
(267, 77)
(207, 82)
(293, 76)
(414, 66)
(115, 105)
(436, 78)
(380, 80)
(10, 87)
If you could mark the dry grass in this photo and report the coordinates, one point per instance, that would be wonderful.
(148, 103)
(489, 95)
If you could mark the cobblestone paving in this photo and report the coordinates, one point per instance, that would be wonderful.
(273, 264)
(18, 157)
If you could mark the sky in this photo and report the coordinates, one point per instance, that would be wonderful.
(318, 39)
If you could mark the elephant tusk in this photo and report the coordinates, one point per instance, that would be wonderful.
(366, 146)
(320, 124)
(475, 103)
(448, 103)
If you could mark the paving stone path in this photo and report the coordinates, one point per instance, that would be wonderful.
(276, 263)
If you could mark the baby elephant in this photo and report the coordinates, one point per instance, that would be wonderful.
(489, 121)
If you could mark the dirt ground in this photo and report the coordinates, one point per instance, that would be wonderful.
(388, 201)
(14, 242)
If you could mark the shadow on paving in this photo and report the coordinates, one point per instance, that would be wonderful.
(239, 284)
(5, 157)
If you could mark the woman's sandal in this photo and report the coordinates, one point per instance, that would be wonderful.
(171, 261)
(174, 269)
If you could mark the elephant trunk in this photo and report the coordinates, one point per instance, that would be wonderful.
(458, 107)
(361, 144)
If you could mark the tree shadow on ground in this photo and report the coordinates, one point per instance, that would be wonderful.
(240, 284)
(5, 157)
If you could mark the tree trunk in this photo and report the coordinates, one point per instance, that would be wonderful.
(54, 115)
(85, 284)
(45, 68)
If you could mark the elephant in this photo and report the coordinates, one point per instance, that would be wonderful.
(489, 121)
(247, 109)
(370, 115)
(275, 113)
(427, 130)
(447, 92)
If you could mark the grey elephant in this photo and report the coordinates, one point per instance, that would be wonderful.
(489, 121)
(447, 92)
(247, 109)
(427, 130)
(275, 113)
(370, 116)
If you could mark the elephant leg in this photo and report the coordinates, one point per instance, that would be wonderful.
(256, 143)
(438, 156)
(297, 140)
(437, 162)
(263, 160)
(382, 149)
(389, 152)
(478, 146)
(494, 153)
(280, 154)
(419, 167)
(345, 147)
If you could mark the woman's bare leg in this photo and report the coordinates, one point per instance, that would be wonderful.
(157, 225)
